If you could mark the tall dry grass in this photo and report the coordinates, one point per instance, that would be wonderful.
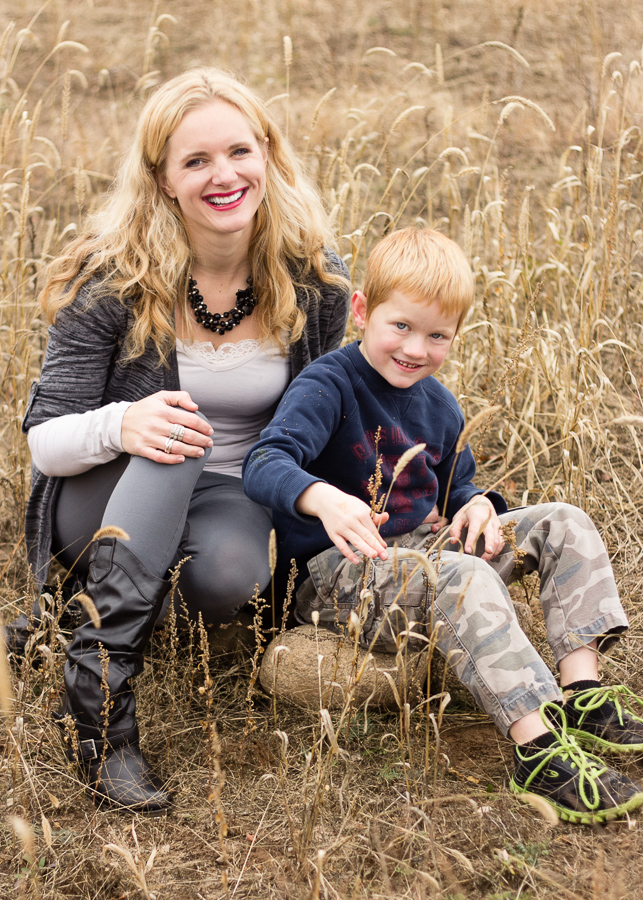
(516, 130)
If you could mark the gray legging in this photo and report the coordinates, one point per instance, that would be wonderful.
(170, 512)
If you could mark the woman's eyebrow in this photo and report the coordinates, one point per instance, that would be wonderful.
(190, 154)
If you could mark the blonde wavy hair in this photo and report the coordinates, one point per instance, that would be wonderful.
(137, 245)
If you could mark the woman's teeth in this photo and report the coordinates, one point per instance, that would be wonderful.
(225, 201)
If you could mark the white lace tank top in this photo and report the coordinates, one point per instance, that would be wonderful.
(237, 388)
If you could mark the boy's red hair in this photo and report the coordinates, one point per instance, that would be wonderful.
(425, 265)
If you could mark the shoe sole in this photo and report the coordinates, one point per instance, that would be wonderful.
(578, 817)
(591, 741)
(104, 802)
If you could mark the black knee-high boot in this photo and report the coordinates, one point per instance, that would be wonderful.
(128, 599)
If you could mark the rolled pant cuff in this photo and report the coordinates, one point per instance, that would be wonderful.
(606, 630)
(527, 702)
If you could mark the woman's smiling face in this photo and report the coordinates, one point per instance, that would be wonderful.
(216, 171)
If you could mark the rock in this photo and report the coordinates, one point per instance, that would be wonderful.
(293, 673)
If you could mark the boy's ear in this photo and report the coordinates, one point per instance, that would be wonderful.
(358, 302)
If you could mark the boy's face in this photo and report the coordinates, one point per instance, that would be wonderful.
(404, 340)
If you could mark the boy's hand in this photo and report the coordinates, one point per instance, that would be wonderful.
(480, 519)
(435, 520)
(347, 519)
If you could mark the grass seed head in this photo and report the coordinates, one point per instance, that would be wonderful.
(90, 608)
(406, 458)
(108, 531)
(287, 51)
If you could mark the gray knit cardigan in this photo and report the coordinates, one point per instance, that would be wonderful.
(85, 368)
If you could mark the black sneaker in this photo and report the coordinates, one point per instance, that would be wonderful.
(578, 785)
(608, 719)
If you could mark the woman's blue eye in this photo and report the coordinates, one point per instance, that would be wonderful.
(193, 162)
(241, 151)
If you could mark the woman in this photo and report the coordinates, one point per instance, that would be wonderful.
(156, 382)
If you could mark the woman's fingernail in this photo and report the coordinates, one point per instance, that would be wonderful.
(201, 452)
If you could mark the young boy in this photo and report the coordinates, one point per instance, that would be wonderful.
(376, 399)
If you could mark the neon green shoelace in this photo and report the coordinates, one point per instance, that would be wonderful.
(622, 698)
(590, 767)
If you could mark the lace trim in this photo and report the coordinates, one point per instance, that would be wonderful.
(223, 356)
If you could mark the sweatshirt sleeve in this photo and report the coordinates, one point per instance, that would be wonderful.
(72, 444)
(462, 489)
(455, 472)
(309, 414)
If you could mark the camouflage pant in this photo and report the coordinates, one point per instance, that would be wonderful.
(469, 613)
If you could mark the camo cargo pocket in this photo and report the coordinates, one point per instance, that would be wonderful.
(334, 587)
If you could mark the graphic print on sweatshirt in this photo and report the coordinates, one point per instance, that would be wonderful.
(413, 483)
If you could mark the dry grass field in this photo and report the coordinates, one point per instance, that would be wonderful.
(515, 127)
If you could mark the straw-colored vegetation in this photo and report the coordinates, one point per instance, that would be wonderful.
(517, 130)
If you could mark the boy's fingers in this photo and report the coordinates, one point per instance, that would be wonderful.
(369, 542)
(381, 552)
(481, 526)
(368, 547)
(371, 536)
(494, 543)
(343, 547)
(500, 545)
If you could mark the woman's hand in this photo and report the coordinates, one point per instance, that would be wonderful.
(480, 518)
(347, 519)
(147, 424)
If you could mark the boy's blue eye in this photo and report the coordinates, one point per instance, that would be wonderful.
(437, 336)
(401, 326)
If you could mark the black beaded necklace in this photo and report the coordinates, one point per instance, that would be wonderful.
(221, 322)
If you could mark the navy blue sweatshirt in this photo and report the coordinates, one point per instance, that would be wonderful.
(324, 429)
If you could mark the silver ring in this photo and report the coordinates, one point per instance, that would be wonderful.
(177, 431)
(168, 444)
